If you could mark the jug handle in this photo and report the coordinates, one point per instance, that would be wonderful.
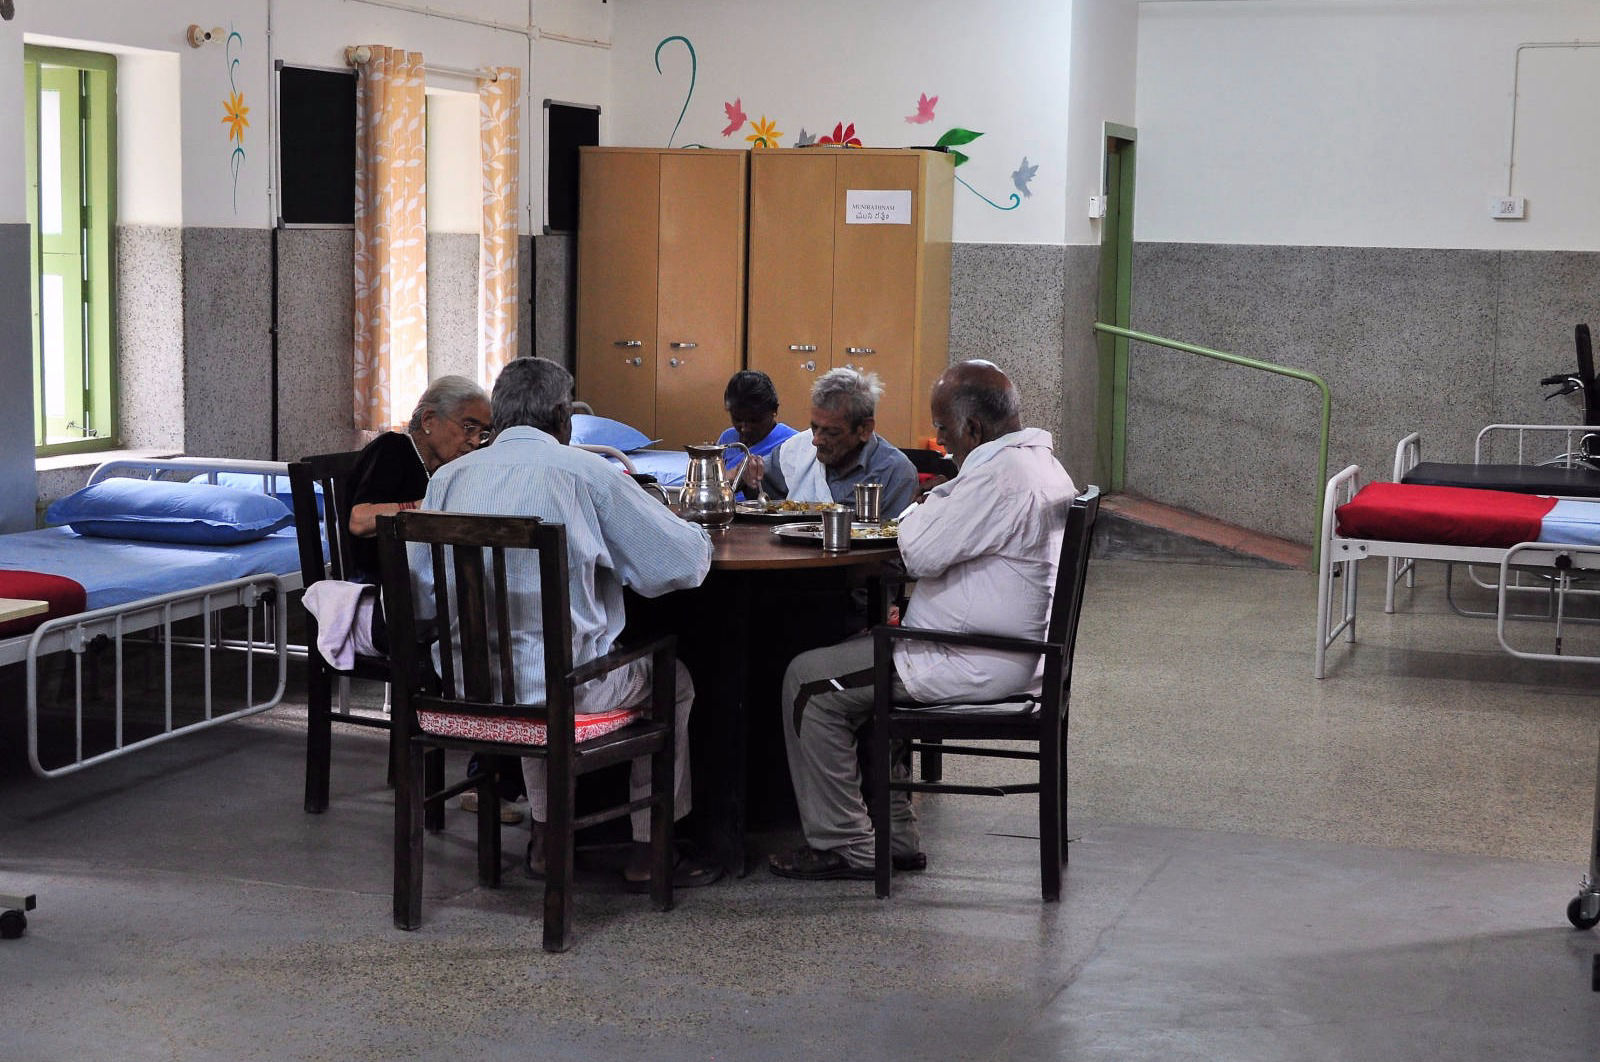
(738, 473)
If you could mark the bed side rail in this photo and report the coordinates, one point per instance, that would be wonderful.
(260, 594)
(1407, 455)
(1563, 564)
(187, 467)
(1340, 489)
(1560, 444)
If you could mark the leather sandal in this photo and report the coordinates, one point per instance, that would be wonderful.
(687, 873)
(815, 864)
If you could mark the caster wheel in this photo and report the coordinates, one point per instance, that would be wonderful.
(1576, 916)
(12, 923)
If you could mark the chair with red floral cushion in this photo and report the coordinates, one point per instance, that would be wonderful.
(470, 705)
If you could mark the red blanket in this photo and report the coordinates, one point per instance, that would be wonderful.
(1444, 516)
(64, 595)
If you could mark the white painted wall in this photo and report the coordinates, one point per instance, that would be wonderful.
(149, 139)
(1376, 123)
(175, 166)
(1000, 67)
(1105, 43)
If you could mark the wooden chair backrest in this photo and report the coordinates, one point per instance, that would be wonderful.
(467, 557)
(1067, 603)
(326, 534)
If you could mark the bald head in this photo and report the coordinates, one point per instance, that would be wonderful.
(973, 403)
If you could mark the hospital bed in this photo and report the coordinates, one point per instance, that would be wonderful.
(1556, 540)
(138, 596)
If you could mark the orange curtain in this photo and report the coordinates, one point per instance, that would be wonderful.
(391, 248)
(498, 149)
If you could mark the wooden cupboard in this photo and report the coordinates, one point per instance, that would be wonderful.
(840, 277)
(661, 272)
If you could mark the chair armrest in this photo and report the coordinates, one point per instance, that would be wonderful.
(974, 640)
(600, 665)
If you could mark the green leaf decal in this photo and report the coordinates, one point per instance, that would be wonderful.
(958, 156)
(957, 136)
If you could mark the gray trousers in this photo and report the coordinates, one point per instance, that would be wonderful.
(634, 690)
(819, 730)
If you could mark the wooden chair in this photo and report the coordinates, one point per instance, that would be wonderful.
(471, 707)
(1040, 719)
(322, 527)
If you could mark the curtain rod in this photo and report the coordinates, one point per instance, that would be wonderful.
(357, 54)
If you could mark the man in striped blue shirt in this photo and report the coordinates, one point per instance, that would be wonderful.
(617, 536)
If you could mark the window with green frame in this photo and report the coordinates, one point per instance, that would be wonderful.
(70, 108)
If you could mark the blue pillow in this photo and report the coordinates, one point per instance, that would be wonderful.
(278, 486)
(587, 428)
(161, 511)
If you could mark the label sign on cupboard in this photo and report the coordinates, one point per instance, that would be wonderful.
(884, 206)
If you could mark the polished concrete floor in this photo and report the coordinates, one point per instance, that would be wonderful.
(1370, 867)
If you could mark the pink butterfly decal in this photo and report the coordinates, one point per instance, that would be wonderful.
(736, 117)
(925, 104)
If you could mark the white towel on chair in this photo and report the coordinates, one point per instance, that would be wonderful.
(344, 620)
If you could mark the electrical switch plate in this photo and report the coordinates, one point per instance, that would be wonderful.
(1508, 207)
(1097, 206)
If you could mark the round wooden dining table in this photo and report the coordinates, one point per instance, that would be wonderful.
(767, 599)
(749, 546)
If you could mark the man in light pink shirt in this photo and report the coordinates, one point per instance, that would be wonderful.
(983, 548)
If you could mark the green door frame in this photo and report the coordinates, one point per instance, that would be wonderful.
(1116, 289)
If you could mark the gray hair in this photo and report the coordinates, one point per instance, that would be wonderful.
(855, 394)
(996, 409)
(444, 398)
(533, 392)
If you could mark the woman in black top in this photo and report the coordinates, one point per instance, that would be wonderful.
(451, 419)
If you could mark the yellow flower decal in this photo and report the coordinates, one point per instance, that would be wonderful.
(766, 134)
(236, 116)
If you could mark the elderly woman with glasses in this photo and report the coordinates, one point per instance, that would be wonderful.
(451, 419)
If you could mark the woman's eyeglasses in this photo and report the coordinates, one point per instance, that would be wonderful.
(475, 431)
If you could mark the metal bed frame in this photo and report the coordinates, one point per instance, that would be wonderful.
(266, 631)
(1560, 565)
(1550, 445)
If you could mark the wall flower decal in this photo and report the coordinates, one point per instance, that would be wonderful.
(236, 116)
(766, 133)
(843, 136)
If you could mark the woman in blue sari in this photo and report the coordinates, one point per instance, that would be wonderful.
(752, 404)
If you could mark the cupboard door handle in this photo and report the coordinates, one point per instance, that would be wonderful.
(809, 366)
(803, 348)
(859, 350)
(675, 362)
(629, 343)
(683, 346)
(633, 361)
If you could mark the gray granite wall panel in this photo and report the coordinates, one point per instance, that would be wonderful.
(18, 487)
(452, 304)
(525, 287)
(315, 329)
(150, 337)
(1436, 341)
(1006, 305)
(1542, 296)
(227, 342)
(555, 283)
(1080, 374)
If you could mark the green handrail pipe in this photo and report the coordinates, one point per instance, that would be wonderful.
(1264, 366)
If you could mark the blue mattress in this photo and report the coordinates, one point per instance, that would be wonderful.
(1572, 522)
(114, 571)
